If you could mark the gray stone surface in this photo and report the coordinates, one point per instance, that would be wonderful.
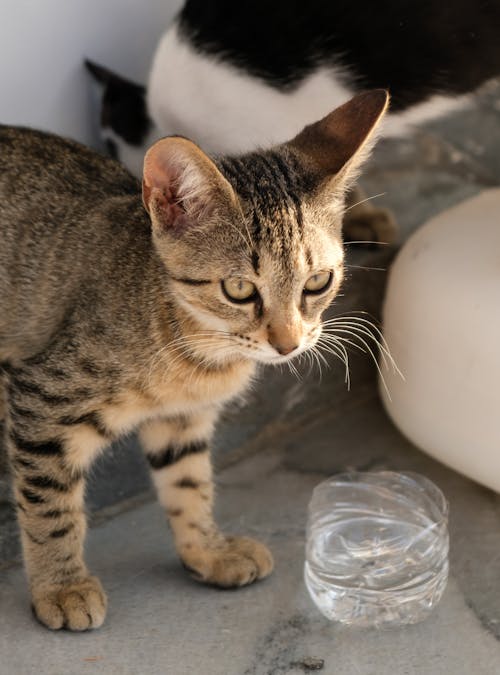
(270, 453)
(162, 622)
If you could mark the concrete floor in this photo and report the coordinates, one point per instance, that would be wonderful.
(271, 453)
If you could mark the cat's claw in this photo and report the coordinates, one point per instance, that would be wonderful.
(232, 562)
(78, 606)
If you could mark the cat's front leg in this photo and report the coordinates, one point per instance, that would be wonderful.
(49, 492)
(179, 456)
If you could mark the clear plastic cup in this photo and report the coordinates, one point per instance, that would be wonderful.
(377, 547)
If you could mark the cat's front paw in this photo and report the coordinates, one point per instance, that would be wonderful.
(232, 561)
(77, 606)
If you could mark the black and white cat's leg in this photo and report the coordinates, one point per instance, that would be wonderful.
(48, 463)
(179, 456)
(365, 222)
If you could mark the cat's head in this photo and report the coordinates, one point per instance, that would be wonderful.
(252, 245)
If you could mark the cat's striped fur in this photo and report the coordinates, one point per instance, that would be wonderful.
(112, 320)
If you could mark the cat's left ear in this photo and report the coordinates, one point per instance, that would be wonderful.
(336, 146)
(181, 187)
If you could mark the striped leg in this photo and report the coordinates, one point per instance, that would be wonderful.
(48, 488)
(178, 452)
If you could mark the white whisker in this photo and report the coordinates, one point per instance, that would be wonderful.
(338, 350)
(329, 339)
(362, 201)
(172, 355)
(385, 353)
(336, 330)
(366, 241)
(294, 370)
(350, 321)
(364, 267)
(374, 358)
(310, 361)
(314, 354)
(357, 331)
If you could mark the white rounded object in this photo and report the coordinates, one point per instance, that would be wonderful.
(441, 320)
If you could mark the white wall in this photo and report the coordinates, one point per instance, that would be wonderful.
(43, 43)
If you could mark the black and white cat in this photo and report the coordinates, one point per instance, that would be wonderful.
(236, 75)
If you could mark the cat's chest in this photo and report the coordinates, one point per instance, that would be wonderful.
(164, 396)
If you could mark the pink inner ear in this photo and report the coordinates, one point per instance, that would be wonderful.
(181, 186)
(159, 188)
(163, 203)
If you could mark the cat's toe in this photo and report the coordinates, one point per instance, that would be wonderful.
(78, 606)
(232, 562)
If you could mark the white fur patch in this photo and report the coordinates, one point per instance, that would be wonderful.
(156, 434)
(196, 467)
(82, 445)
(207, 320)
(437, 106)
(225, 110)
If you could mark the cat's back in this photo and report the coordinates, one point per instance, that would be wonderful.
(54, 197)
(32, 160)
(65, 211)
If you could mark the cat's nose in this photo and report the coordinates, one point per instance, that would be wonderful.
(284, 336)
(284, 348)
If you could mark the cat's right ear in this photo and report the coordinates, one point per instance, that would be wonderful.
(336, 146)
(181, 187)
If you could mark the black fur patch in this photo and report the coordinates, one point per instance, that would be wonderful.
(187, 482)
(30, 388)
(25, 463)
(192, 282)
(63, 531)
(46, 482)
(170, 455)
(48, 448)
(255, 261)
(415, 49)
(32, 497)
(123, 105)
(19, 412)
(112, 148)
(53, 513)
(93, 419)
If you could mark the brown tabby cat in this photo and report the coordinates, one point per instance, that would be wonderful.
(110, 319)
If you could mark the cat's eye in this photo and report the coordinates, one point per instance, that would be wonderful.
(237, 289)
(318, 283)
